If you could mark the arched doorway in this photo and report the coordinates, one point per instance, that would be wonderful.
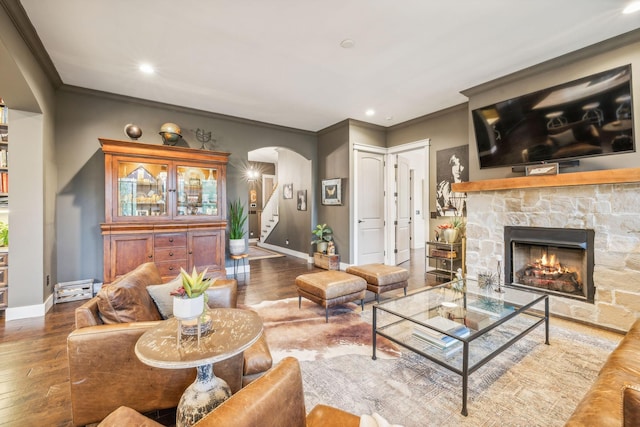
(280, 200)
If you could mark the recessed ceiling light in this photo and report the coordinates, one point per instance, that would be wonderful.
(370, 112)
(632, 7)
(147, 68)
(347, 43)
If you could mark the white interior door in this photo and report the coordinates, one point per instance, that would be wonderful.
(403, 210)
(370, 191)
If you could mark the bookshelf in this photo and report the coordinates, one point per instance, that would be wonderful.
(4, 204)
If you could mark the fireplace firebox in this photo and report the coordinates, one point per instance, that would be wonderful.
(557, 261)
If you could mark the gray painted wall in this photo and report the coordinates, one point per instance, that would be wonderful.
(333, 162)
(85, 116)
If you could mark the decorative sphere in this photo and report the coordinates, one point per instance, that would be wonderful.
(132, 131)
(170, 132)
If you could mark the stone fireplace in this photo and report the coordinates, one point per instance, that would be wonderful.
(611, 210)
(556, 261)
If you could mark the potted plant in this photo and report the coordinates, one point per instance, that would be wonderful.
(189, 299)
(452, 230)
(323, 235)
(237, 219)
(4, 234)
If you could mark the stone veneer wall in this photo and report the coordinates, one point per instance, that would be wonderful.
(612, 210)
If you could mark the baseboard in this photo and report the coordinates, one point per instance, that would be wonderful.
(29, 311)
(241, 269)
(284, 250)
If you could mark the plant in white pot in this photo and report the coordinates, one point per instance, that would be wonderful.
(189, 300)
(323, 235)
(237, 219)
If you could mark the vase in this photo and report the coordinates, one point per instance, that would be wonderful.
(322, 247)
(450, 235)
(188, 308)
(236, 246)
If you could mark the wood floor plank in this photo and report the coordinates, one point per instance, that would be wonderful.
(34, 375)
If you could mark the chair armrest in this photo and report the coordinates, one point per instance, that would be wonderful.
(105, 373)
(223, 294)
(124, 416)
(327, 416)
(257, 358)
(275, 399)
(87, 314)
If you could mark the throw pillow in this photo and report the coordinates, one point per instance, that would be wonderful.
(631, 405)
(127, 300)
(161, 295)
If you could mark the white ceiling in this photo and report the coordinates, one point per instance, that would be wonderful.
(280, 61)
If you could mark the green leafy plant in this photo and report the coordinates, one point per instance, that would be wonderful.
(323, 233)
(4, 234)
(237, 219)
(193, 285)
(457, 223)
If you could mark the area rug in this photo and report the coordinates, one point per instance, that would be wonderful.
(530, 384)
(256, 252)
(304, 334)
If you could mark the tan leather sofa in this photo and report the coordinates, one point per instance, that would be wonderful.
(614, 398)
(274, 400)
(103, 368)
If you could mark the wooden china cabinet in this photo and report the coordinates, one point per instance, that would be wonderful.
(163, 204)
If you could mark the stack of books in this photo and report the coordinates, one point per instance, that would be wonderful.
(442, 341)
(494, 307)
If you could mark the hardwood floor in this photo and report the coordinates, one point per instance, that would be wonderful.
(34, 379)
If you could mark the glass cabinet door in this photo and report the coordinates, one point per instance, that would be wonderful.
(197, 191)
(142, 189)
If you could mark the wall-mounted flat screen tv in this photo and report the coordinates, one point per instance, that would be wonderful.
(592, 116)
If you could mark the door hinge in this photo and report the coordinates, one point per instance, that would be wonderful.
(395, 166)
(395, 222)
(395, 251)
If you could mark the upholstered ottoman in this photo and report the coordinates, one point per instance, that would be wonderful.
(381, 278)
(329, 288)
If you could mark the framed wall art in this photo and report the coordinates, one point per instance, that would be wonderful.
(451, 167)
(332, 191)
(302, 200)
(287, 191)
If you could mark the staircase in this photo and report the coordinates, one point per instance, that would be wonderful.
(269, 216)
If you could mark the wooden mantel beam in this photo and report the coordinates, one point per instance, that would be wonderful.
(612, 176)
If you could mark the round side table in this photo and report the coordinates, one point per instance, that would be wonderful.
(233, 331)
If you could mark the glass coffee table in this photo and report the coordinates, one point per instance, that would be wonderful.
(460, 326)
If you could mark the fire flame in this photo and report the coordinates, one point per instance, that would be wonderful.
(551, 265)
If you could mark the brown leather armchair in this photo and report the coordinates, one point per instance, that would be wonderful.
(274, 400)
(105, 373)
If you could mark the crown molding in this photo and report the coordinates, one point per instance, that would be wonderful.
(177, 108)
(571, 57)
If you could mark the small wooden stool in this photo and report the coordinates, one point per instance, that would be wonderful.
(329, 288)
(381, 278)
(236, 262)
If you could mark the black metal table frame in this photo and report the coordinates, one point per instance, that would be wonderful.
(466, 370)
